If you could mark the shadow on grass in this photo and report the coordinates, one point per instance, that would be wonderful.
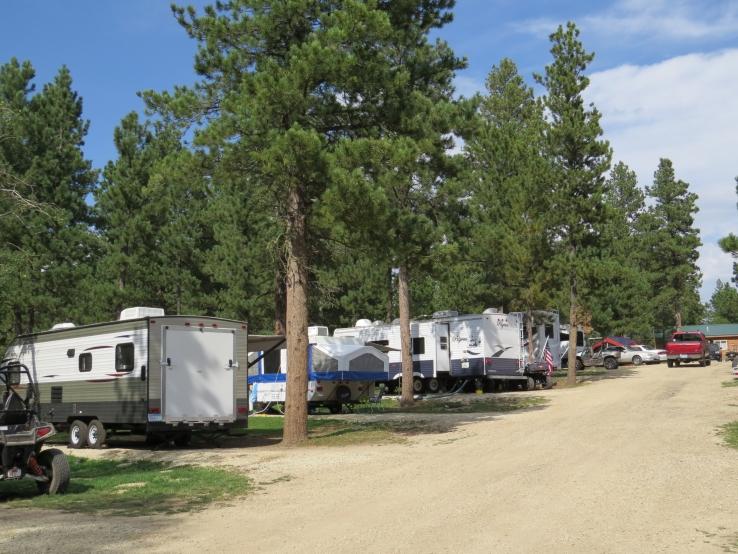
(131, 488)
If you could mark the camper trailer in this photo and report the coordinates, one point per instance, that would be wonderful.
(164, 376)
(487, 348)
(340, 371)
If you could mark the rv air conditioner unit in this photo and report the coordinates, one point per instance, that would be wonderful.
(318, 331)
(65, 325)
(363, 323)
(140, 312)
(445, 313)
(490, 311)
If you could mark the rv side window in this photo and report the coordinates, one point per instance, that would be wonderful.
(419, 345)
(444, 343)
(85, 362)
(124, 357)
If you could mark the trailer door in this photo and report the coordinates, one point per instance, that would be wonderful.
(443, 348)
(199, 373)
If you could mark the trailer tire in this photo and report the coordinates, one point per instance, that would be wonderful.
(183, 439)
(434, 385)
(77, 434)
(335, 408)
(418, 385)
(96, 434)
(56, 467)
(637, 360)
(579, 365)
(343, 394)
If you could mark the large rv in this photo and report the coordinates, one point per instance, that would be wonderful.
(490, 347)
(341, 370)
(164, 376)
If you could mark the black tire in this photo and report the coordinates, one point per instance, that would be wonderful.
(529, 384)
(579, 365)
(343, 394)
(702, 362)
(669, 363)
(434, 385)
(418, 385)
(96, 434)
(637, 360)
(709, 361)
(153, 439)
(183, 439)
(610, 363)
(78, 434)
(677, 363)
(335, 408)
(56, 467)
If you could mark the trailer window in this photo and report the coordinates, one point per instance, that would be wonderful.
(419, 345)
(443, 343)
(85, 362)
(124, 357)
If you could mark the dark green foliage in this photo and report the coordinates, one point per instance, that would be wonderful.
(729, 244)
(672, 243)
(723, 306)
(47, 252)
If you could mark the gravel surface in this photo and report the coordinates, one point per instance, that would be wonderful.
(626, 464)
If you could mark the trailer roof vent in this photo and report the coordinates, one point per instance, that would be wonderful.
(363, 323)
(139, 312)
(318, 331)
(65, 325)
(490, 311)
(377, 322)
(445, 313)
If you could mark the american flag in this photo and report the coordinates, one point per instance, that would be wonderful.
(548, 359)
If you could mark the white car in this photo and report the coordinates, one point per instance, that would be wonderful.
(639, 354)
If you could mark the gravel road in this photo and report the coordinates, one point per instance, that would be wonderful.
(626, 464)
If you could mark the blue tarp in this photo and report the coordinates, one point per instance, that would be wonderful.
(324, 376)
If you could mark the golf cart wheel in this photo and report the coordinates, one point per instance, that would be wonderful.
(611, 363)
(56, 467)
(418, 385)
(637, 360)
(434, 385)
(579, 365)
(78, 434)
(96, 434)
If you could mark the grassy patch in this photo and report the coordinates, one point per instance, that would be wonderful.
(587, 372)
(131, 488)
(467, 405)
(729, 431)
(733, 383)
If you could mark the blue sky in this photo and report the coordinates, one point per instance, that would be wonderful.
(665, 76)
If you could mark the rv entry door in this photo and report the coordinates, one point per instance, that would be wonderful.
(443, 348)
(199, 374)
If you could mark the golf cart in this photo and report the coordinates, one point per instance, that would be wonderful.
(22, 434)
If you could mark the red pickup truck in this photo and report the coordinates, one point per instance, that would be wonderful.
(687, 346)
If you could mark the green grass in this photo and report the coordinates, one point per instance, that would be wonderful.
(729, 431)
(733, 383)
(131, 488)
(587, 372)
(448, 406)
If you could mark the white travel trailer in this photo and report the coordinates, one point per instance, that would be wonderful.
(340, 371)
(449, 347)
(164, 376)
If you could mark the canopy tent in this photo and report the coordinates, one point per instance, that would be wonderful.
(621, 342)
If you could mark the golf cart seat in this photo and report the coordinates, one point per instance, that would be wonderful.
(13, 410)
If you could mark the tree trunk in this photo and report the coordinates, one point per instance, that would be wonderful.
(529, 330)
(295, 416)
(407, 358)
(571, 372)
(678, 319)
(280, 300)
(390, 308)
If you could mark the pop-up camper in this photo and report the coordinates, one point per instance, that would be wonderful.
(340, 371)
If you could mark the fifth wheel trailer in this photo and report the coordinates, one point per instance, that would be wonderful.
(164, 376)
(491, 347)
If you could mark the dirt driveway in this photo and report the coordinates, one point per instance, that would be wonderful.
(631, 464)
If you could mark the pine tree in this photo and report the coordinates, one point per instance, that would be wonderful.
(673, 244)
(580, 159)
(723, 304)
(729, 244)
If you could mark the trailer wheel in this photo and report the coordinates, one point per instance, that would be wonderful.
(335, 408)
(183, 439)
(56, 467)
(637, 360)
(77, 434)
(434, 385)
(96, 434)
(418, 385)
(343, 394)
(579, 365)
(611, 363)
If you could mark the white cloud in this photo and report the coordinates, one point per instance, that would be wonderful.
(665, 19)
(684, 109)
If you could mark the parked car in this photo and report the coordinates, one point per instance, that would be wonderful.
(638, 354)
(715, 352)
